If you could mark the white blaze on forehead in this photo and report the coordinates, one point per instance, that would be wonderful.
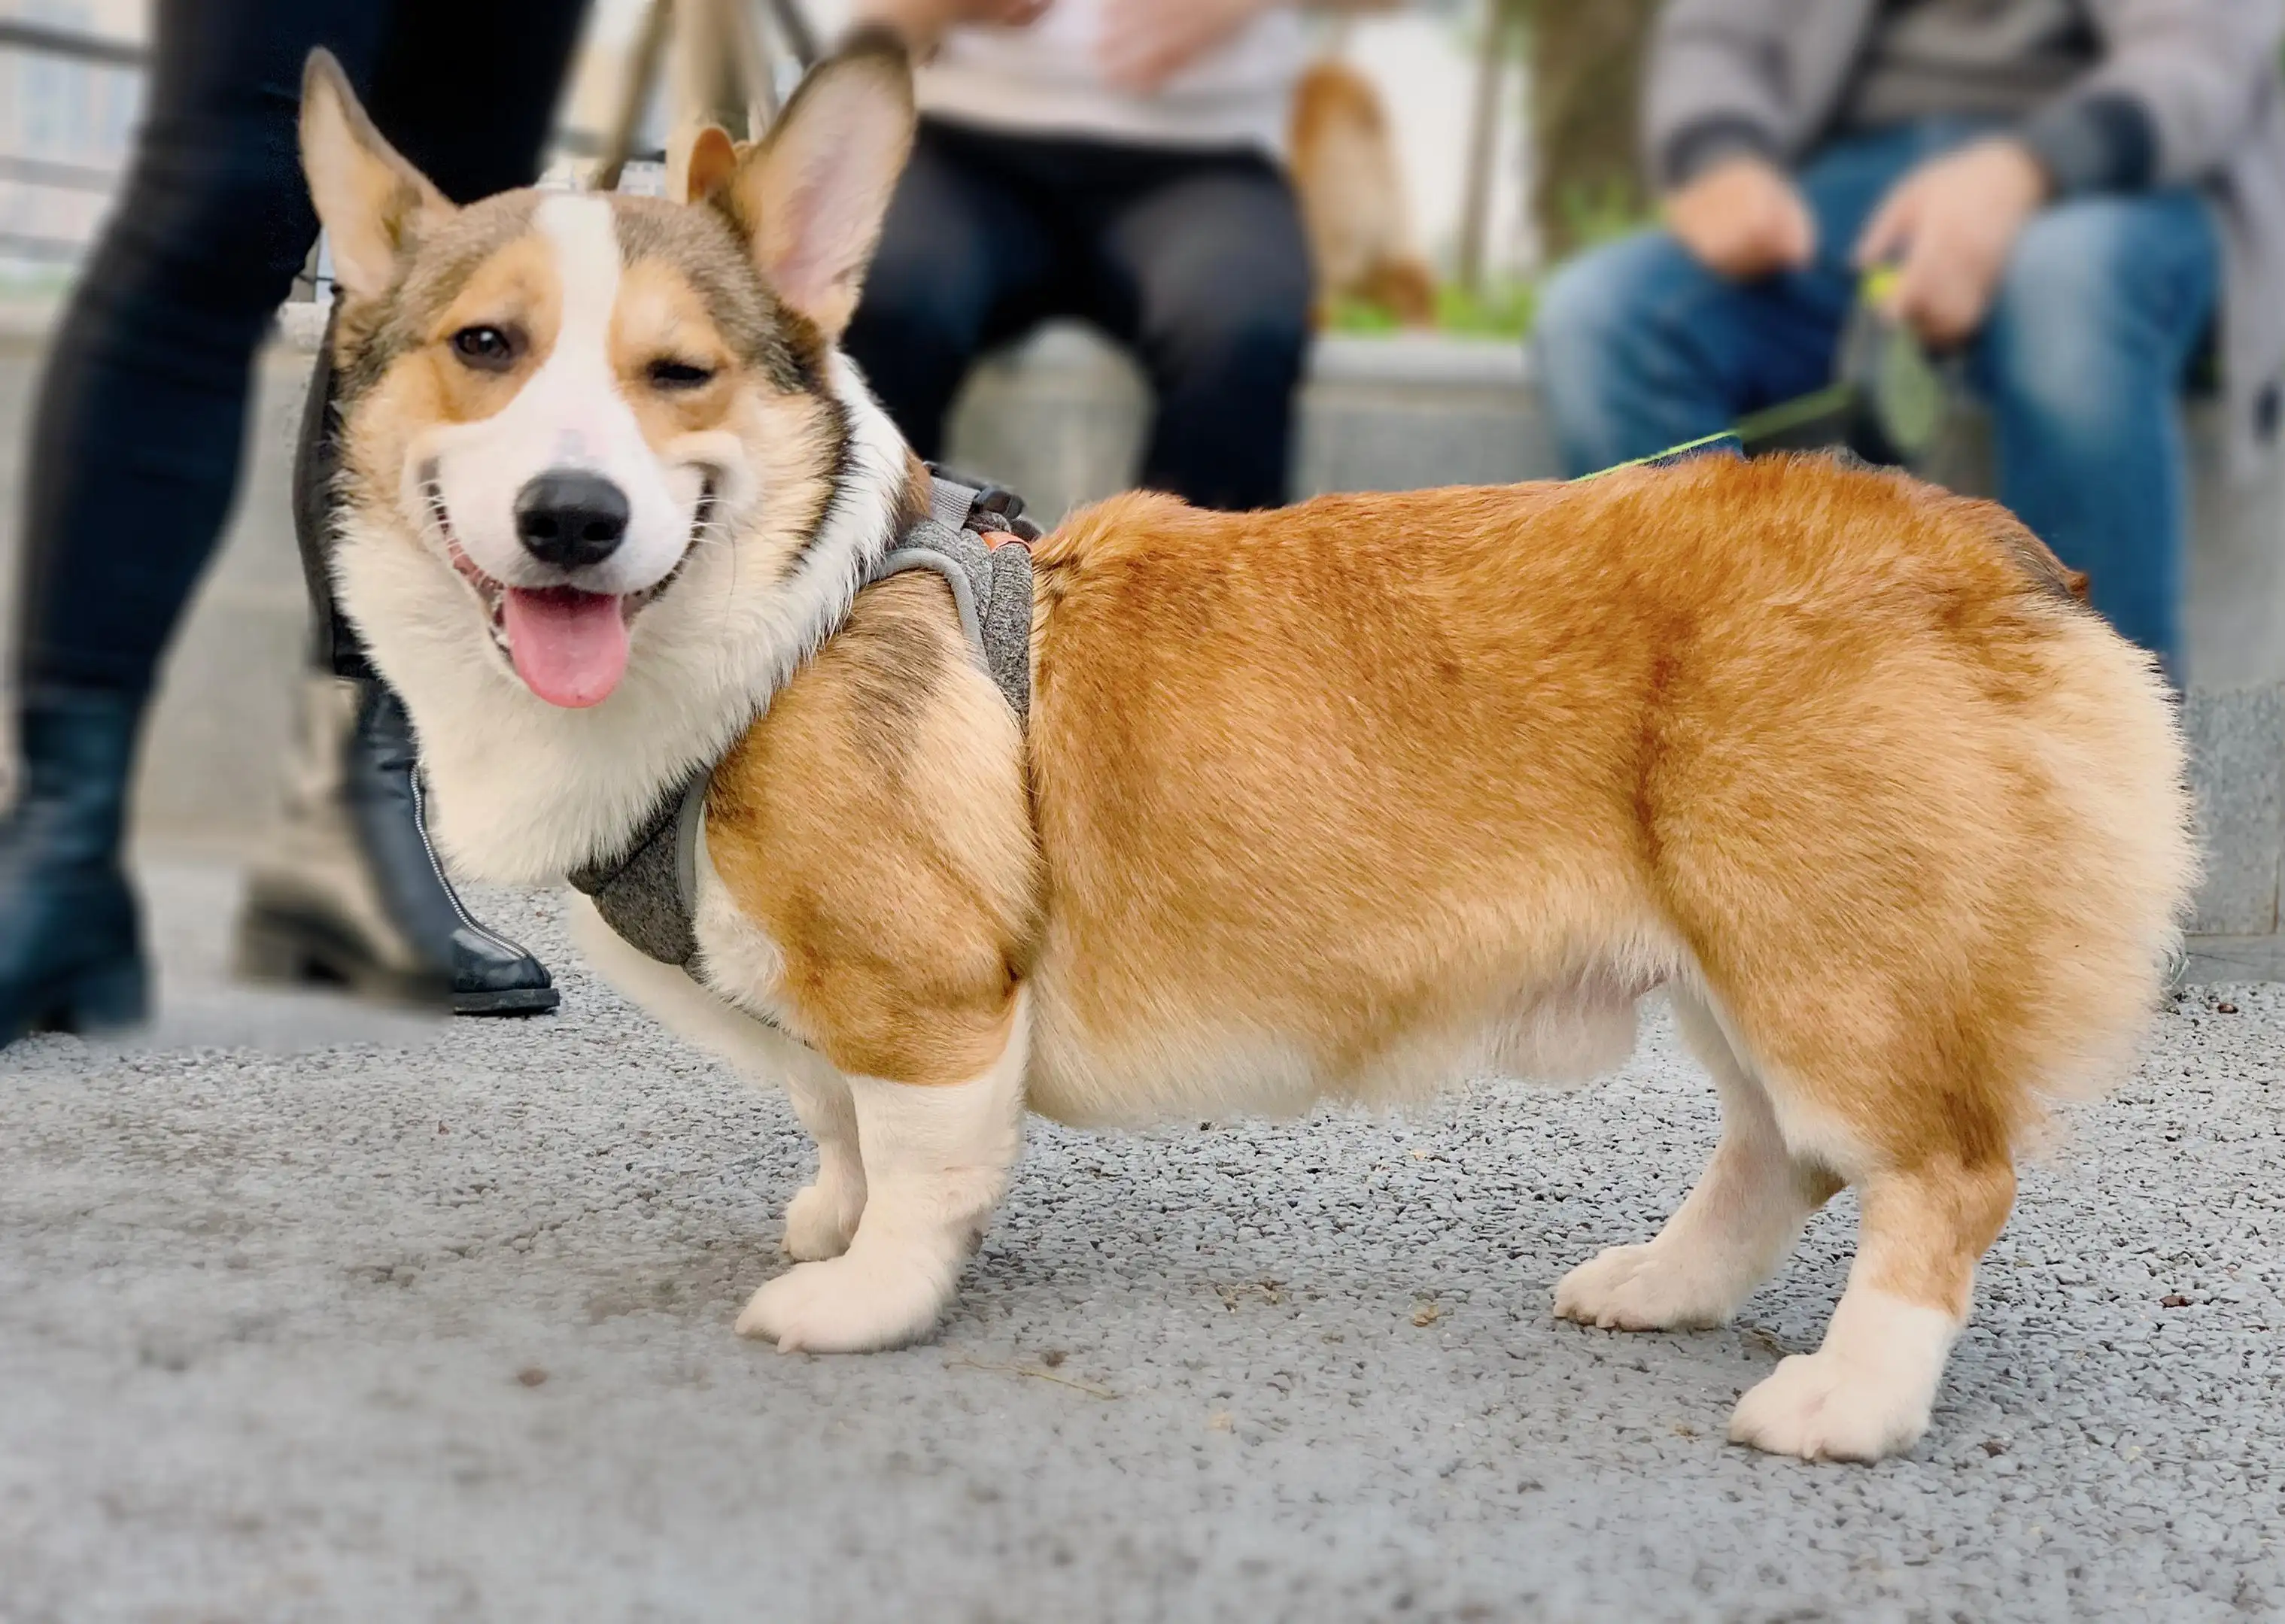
(586, 243)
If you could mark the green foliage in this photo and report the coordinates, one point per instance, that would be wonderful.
(1503, 311)
(1594, 212)
(1358, 317)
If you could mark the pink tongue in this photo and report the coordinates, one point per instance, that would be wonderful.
(570, 647)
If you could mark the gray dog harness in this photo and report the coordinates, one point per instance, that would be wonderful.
(649, 895)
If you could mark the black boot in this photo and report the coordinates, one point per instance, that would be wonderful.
(71, 943)
(349, 891)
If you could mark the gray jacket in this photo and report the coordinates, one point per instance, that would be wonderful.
(2204, 71)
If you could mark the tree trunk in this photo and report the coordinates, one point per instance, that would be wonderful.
(1586, 60)
(1494, 67)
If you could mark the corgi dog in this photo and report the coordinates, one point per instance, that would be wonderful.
(1343, 161)
(1343, 802)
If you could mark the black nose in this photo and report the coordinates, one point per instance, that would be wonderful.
(571, 518)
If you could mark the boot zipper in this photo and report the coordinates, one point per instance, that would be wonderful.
(436, 868)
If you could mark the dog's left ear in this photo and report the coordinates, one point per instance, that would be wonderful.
(811, 196)
(370, 201)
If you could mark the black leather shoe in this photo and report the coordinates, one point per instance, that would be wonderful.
(350, 892)
(71, 943)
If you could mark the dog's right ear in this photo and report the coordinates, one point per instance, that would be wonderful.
(371, 202)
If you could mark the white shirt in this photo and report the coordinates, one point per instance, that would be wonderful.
(1045, 79)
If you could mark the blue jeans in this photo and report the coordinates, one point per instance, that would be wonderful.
(2102, 307)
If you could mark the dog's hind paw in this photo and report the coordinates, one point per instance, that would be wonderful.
(819, 1222)
(1646, 1288)
(1824, 1408)
(853, 1304)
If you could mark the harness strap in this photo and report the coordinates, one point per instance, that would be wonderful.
(649, 894)
(991, 589)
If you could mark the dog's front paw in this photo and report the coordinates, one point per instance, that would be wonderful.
(853, 1304)
(819, 1222)
(1645, 1288)
(1824, 1408)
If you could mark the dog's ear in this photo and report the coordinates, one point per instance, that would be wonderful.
(812, 195)
(370, 201)
(713, 161)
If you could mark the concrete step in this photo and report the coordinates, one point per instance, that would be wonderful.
(1060, 420)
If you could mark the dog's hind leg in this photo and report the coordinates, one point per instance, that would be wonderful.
(936, 1160)
(1907, 1100)
(822, 1218)
(1868, 1390)
(1734, 1229)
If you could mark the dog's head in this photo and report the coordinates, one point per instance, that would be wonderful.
(555, 398)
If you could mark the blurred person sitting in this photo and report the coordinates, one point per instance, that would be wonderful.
(134, 460)
(2070, 191)
(1117, 161)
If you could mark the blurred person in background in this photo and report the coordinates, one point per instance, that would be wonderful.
(133, 461)
(2079, 193)
(1118, 160)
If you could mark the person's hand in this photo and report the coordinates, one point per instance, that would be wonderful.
(1743, 219)
(996, 13)
(922, 22)
(1146, 42)
(1950, 226)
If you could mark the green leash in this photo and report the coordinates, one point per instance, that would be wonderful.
(1886, 402)
(1725, 443)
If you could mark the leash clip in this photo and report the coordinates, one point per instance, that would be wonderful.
(994, 510)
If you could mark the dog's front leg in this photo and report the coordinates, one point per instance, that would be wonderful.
(821, 1219)
(935, 1164)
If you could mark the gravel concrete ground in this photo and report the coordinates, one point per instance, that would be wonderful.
(307, 1314)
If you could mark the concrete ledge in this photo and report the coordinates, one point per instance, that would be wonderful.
(1060, 419)
(2237, 768)
(2235, 957)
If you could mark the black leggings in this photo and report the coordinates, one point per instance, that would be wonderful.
(1195, 259)
(142, 412)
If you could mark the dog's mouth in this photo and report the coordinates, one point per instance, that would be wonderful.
(569, 647)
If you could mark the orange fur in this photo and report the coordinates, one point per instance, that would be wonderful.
(1387, 766)
(660, 317)
(1838, 743)
(890, 861)
(1818, 728)
(514, 290)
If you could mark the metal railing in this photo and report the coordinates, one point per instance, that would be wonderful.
(64, 42)
(40, 39)
(128, 56)
(96, 50)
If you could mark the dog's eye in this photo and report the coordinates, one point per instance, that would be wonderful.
(680, 375)
(489, 349)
